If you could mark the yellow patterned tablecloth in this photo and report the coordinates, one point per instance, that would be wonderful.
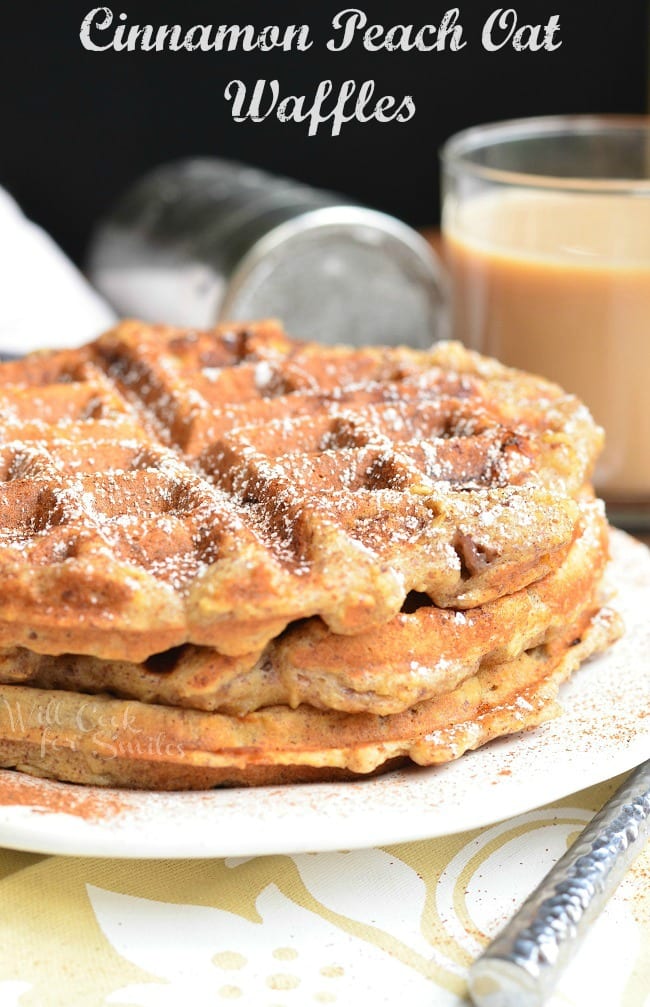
(396, 925)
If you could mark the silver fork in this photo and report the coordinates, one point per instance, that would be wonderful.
(522, 965)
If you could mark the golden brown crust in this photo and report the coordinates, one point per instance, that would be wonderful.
(234, 558)
(115, 742)
(413, 657)
(164, 486)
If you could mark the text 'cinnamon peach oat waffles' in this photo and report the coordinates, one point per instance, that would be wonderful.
(229, 557)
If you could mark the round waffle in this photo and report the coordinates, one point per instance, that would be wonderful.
(163, 487)
(101, 740)
(417, 655)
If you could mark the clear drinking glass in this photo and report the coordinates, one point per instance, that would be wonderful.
(546, 225)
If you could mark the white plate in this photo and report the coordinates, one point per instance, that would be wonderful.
(605, 730)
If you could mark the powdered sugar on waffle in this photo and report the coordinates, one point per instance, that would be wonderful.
(238, 458)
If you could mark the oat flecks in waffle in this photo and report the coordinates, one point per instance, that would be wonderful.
(233, 558)
(147, 746)
(164, 487)
(416, 656)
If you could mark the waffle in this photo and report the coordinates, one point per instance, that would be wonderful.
(113, 742)
(164, 487)
(230, 557)
(415, 656)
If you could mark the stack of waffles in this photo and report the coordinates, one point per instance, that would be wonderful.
(232, 558)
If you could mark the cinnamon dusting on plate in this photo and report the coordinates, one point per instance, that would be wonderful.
(48, 796)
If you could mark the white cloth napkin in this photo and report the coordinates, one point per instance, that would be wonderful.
(44, 299)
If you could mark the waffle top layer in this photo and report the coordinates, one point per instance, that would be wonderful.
(163, 486)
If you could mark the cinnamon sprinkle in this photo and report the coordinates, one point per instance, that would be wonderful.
(49, 797)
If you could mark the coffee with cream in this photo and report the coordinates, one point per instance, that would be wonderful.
(558, 283)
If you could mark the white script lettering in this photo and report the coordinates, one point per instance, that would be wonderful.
(264, 100)
(402, 37)
(204, 37)
(527, 37)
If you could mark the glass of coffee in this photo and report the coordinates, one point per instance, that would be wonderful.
(546, 226)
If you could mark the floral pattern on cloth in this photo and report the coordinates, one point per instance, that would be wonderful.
(381, 926)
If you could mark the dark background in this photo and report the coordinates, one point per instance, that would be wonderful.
(78, 126)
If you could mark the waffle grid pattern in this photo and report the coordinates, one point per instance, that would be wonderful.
(161, 487)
